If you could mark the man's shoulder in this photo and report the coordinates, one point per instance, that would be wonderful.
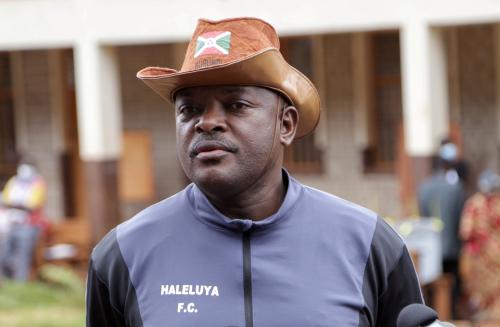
(336, 206)
(106, 253)
(158, 215)
(354, 216)
(387, 240)
(380, 240)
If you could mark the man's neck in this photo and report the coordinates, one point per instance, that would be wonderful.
(260, 201)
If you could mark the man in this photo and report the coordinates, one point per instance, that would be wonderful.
(246, 244)
(442, 195)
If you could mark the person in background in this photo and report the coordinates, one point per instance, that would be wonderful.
(24, 198)
(442, 195)
(480, 232)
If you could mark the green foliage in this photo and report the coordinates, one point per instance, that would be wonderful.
(56, 301)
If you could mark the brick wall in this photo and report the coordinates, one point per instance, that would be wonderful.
(38, 120)
(344, 172)
(477, 100)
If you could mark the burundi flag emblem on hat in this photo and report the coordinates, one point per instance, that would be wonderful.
(213, 43)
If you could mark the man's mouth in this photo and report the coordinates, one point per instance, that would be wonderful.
(207, 150)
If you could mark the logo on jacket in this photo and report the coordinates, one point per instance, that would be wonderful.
(186, 289)
(189, 290)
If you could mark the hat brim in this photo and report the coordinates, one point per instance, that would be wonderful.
(266, 68)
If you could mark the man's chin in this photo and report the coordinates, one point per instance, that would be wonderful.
(213, 178)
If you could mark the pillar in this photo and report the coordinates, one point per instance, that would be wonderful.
(425, 94)
(99, 130)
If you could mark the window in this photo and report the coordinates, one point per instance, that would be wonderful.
(8, 155)
(385, 117)
(303, 156)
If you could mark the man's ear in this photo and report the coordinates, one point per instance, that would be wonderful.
(289, 123)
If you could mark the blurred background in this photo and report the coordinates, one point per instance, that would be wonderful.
(397, 79)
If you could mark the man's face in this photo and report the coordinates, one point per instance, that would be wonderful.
(227, 137)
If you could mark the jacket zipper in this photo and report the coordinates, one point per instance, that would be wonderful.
(247, 279)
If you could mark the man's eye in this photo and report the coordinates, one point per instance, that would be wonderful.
(238, 105)
(187, 110)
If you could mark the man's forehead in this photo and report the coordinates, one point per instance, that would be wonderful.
(225, 89)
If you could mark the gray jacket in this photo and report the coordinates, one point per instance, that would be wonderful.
(318, 261)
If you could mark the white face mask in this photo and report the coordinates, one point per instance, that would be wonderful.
(25, 171)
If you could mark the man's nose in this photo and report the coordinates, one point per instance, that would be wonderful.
(213, 119)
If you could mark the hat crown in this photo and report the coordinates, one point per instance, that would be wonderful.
(220, 42)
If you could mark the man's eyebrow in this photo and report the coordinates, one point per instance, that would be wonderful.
(233, 89)
(183, 92)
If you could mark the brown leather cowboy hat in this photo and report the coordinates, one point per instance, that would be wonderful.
(238, 51)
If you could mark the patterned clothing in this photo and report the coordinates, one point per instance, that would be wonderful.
(480, 230)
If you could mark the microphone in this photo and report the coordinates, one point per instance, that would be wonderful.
(419, 315)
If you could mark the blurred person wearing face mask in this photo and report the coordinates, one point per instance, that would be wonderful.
(24, 198)
(442, 196)
(480, 232)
